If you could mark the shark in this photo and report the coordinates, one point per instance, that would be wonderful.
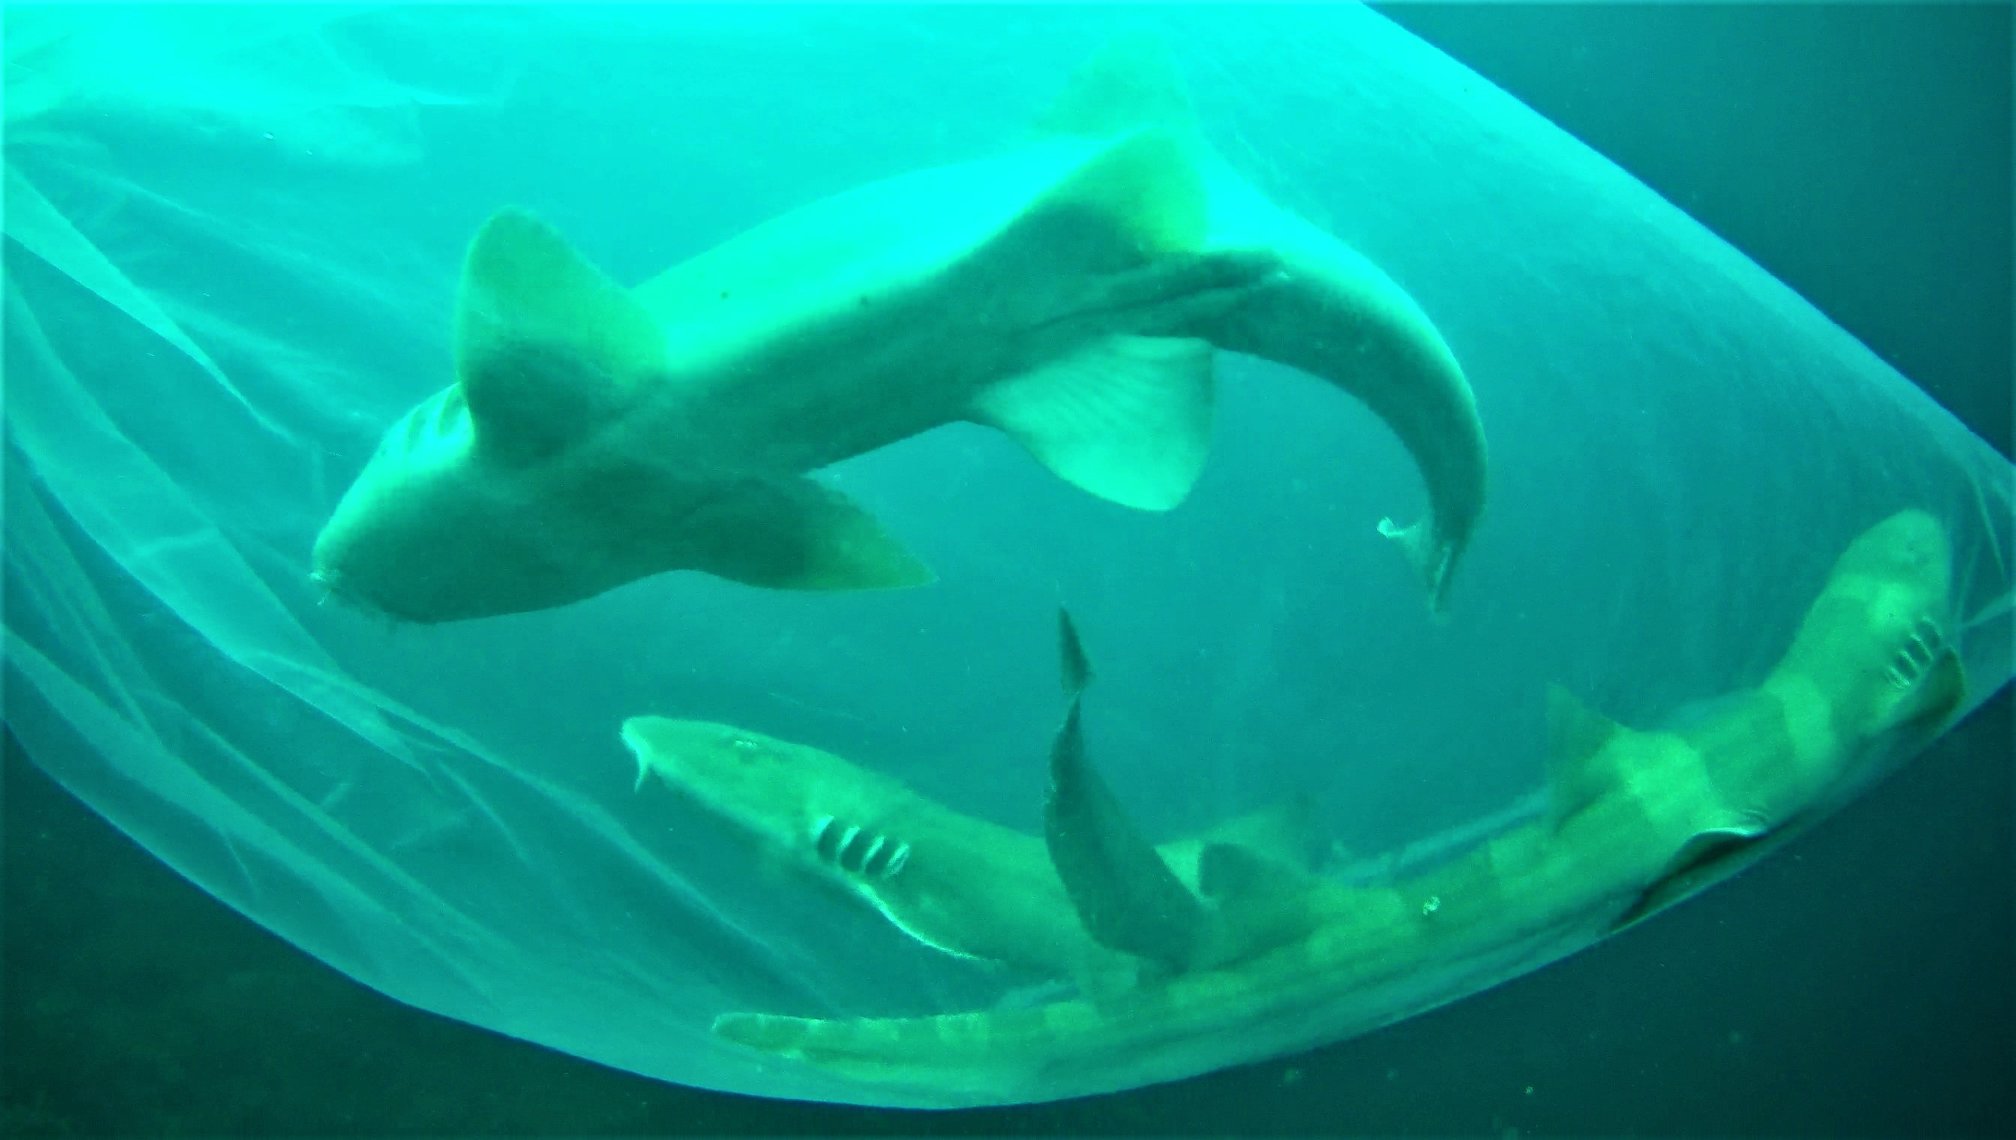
(954, 882)
(1634, 821)
(1072, 291)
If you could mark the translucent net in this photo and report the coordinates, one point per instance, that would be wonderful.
(233, 238)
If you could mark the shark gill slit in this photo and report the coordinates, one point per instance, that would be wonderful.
(821, 829)
(1917, 655)
(855, 851)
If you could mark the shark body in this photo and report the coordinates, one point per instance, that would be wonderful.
(1636, 821)
(954, 882)
(1071, 292)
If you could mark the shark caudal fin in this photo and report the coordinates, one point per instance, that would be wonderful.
(1127, 897)
(1074, 669)
(546, 345)
(1430, 557)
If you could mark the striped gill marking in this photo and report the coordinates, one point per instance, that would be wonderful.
(1921, 648)
(855, 852)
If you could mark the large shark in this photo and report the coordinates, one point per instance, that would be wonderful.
(1637, 821)
(1070, 291)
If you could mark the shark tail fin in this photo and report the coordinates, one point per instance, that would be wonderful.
(545, 343)
(1428, 554)
(1132, 82)
(1074, 668)
(1126, 896)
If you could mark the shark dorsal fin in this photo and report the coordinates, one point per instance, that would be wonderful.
(546, 345)
(1576, 736)
(1127, 897)
(1132, 82)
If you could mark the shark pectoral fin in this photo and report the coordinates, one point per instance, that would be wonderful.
(1127, 897)
(1127, 419)
(545, 344)
(793, 534)
(1576, 737)
(1708, 855)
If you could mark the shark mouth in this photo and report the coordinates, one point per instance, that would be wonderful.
(854, 851)
(1921, 650)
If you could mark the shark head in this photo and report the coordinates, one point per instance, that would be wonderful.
(485, 499)
(561, 463)
(789, 798)
(384, 548)
(1877, 640)
(434, 530)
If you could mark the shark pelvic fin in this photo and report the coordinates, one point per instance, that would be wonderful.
(545, 344)
(1127, 897)
(1576, 737)
(1284, 832)
(793, 534)
(1132, 82)
(1261, 902)
(1228, 871)
(1128, 419)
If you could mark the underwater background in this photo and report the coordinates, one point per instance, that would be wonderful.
(1859, 982)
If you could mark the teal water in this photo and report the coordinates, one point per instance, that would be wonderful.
(1358, 673)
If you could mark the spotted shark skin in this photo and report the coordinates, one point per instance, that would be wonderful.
(1638, 821)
